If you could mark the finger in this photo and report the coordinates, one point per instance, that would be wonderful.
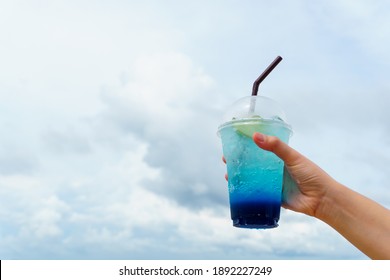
(277, 146)
(226, 176)
(224, 159)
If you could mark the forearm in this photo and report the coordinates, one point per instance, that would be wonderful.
(363, 222)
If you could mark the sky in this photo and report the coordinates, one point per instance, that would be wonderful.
(109, 112)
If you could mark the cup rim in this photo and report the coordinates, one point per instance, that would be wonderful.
(252, 120)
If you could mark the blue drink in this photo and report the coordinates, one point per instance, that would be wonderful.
(255, 176)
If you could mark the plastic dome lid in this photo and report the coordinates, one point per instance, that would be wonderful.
(255, 106)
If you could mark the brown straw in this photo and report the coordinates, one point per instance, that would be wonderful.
(263, 75)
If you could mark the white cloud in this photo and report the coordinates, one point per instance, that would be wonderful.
(168, 102)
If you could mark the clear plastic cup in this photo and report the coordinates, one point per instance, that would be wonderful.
(255, 176)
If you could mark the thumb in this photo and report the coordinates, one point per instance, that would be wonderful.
(277, 146)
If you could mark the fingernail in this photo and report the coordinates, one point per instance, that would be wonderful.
(259, 137)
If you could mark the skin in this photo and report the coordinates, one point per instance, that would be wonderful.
(310, 190)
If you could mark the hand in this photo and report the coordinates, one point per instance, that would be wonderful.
(304, 183)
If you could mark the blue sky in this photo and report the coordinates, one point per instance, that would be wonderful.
(109, 112)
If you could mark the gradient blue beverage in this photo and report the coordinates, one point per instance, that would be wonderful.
(255, 176)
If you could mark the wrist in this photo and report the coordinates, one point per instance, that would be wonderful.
(328, 206)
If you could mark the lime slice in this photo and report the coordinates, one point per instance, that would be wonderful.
(247, 129)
